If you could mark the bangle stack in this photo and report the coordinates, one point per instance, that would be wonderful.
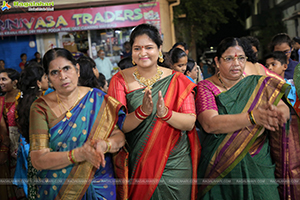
(251, 118)
(167, 115)
(140, 114)
(71, 157)
(4, 148)
(108, 146)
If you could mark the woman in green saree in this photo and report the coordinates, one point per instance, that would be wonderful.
(72, 131)
(243, 133)
(162, 142)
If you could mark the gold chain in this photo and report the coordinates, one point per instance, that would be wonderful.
(219, 77)
(221, 81)
(6, 110)
(68, 114)
(149, 82)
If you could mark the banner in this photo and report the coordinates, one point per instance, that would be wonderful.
(79, 19)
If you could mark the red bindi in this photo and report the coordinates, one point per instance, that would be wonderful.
(235, 55)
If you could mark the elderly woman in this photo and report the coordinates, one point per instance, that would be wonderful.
(159, 127)
(72, 131)
(243, 132)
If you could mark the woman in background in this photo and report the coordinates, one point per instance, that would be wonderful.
(8, 82)
(33, 82)
(191, 71)
(179, 60)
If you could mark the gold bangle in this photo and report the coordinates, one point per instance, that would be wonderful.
(108, 146)
(73, 156)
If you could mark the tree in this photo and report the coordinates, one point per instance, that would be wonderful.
(202, 17)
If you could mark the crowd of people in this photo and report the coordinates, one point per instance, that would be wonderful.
(71, 128)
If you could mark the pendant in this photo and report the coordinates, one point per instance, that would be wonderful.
(68, 115)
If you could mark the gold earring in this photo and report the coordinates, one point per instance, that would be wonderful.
(133, 62)
(160, 56)
(40, 88)
(14, 87)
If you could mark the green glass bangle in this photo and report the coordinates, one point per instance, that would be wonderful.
(251, 117)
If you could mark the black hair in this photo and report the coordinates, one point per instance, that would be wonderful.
(30, 91)
(125, 63)
(148, 29)
(36, 53)
(87, 77)
(55, 53)
(226, 43)
(153, 33)
(296, 39)
(176, 54)
(23, 54)
(253, 41)
(190, 65)
(280, 38)
(248, 50)
(2, 61)
(11, 73)
(277, 55)
(185, 46)
(101, 80)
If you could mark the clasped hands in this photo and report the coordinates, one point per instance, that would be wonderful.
(269, 116)
(147, 105)
(93, 152)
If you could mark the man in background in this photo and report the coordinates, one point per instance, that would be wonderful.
(296, 51)
(104, 65)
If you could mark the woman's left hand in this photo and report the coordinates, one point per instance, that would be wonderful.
(160, 106)
(101, 147)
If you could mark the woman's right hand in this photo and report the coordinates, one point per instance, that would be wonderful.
(88, 153)
(147, 105)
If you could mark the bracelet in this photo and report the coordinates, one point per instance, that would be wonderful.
(251, 118)
(4, 148)
(70, 157)
(73, 157)
(140, 114)
(167, 115)
(108, 146)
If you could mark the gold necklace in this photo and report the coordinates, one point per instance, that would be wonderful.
(219, 77)
(12, 103)
(149, 82)
(68, 114)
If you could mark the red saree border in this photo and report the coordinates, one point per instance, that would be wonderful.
(180, 87)
(107, 118)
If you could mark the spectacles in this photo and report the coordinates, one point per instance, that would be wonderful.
(230, 59)
(287, 51)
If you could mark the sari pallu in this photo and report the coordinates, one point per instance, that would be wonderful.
(154, 140)
(242, 155)
(94, 117)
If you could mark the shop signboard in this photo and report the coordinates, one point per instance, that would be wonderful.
(79, 19)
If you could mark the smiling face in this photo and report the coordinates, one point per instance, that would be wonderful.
(6, 83)
(180, 66)
(231, 70)
(63, 75)
(145, 52)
